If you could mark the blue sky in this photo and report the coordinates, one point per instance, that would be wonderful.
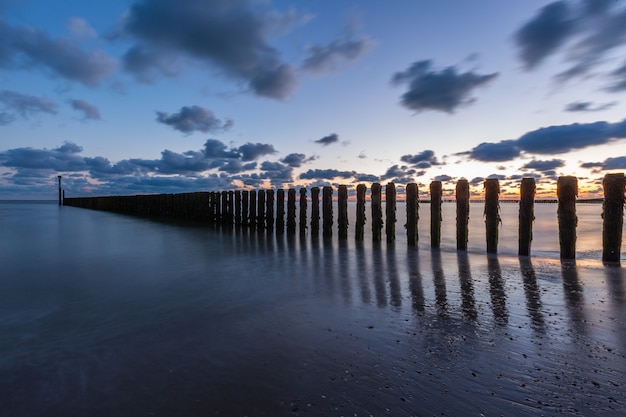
(151, 96)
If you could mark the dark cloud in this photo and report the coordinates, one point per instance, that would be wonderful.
(588, 106)
(442, 178)
(252, 151)
(194, 118)
(276, 172)
(295, 160)
(326, 174)
(399, 174)
(476, 181)
(17, 104)
(619, 77)
(444, 90)
(423, 160)
(64, 158)
(214, 148)
(495, 152)
(323, 58)
(234, 166)
(89, 111)
(544, 165)
(618, 162)
(27, 47)
(366, 178)
(232, 36)
(328, 140)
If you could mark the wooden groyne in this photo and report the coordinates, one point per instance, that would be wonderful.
(264, 209)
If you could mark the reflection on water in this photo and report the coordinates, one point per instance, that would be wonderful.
(467, 286)
(531, 290)
(496, 289)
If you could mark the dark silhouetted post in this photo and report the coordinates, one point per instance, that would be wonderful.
(613, 216)
(218, 207)
(390, 208)
(60, 196)
(245, 207)
(231, 207)
(567, 190)
(377, 212)
(63, 198)
(315, 211)
(269, 210)
(291, 211)
(435, 214)
(238, 207)
(261, 210)
(302, 219)
(280, 211)
(412, 213)
(526, 215)
(327, 211)
(252, 212)
(360, 212)
(492, 213)
(342, 211)
(462, 214)
(225, 214)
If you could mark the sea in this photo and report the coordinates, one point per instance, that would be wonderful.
(103, 314)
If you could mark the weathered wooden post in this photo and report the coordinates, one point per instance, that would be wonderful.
(218, 207)
(261, 210)
(231, 207)
(291, 211)
(245, 220)
(526, 215)
(252, 212)
(269, 210)
(327, 211)
(377, 212)
(238, 207)
(302, 219)
(567, 191)
(412, 213)
(280, 211)
(613, 216)
(462, 214)
(359, 230)
(60, 196)
(63, 198)
(435, 213)
(315, 211)
(390, 208)
(492, 213)
(342, 212)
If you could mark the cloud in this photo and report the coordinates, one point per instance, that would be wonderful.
(27, 47)
(80, 28)
(399, 174)
(423, 160)
(550, 140)
(324, 58)
(328, 140)
(544, 165)
(588, 106)
(17, 104)
(194, 118)
(252, 151)
(90, 112)
(619, 75)
(328, 174)
(232, 36)
(445, 90)
(618, 162)
(442, 178)
(295, 160)
(214, 148)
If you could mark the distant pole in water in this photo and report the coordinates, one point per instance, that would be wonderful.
(269, 210)
(60, 195)
(526, 215)
(412, 213)
(315, 211)
(377, 212)
(360, 212)
(252, 212)
(327, 211)
(342, 211)
(492, 213)
(245, 198)
(462, 214)
(390, 208)
(261, 210)
(302, 219)
(291, 211)
(280, 211)
(435, 214)
(567, 190)
(613, 216)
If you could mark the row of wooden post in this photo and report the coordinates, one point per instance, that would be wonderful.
(255, 209)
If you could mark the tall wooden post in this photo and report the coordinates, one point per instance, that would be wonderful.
(245, 207)
(412, 213)
(238, 207)
(613, 216)
(462, 214)
(327, 211)
(567, 191)
(261, 210)
(526, 215)
(269, 210)
(280, 211)
(377, 212)
(302, 219)
(435, 213)
(492, 213)
(315, 211)
(360, 212)
(60, 196)
(252, 212)
(291, 211)
(342, 211)
(390, 208)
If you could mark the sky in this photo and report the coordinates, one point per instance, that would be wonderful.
(164, 96)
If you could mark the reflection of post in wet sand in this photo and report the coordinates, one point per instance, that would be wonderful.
(440, 282)
(366, 294)
(533, 297)
(496, 290)
(468, 303)
(415, 280)
(392, 272)
(379, 279)
(344, 271)
(573, 293)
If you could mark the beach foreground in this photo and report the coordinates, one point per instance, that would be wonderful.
(106, 315)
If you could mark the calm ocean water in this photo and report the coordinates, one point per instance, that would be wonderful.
(110, 315)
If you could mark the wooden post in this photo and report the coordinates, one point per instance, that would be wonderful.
(567, 190)
(63, 198)
(462, 214)
(342, 212)
(613, 216)
(291, 211)
(252, 211)
(280, 211)
(526, 215)
(412, 213)
(492, 213)
(218, 206)
(225, 214)
(390, 208)
(261, 210)
(377, 212)
(231, 207)
(238, 207)
(327, 211)
(302, 219)
(315, 211)
(269, 210)
(245, 198)
(360, 212)
(435, 213)
(60, 196)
